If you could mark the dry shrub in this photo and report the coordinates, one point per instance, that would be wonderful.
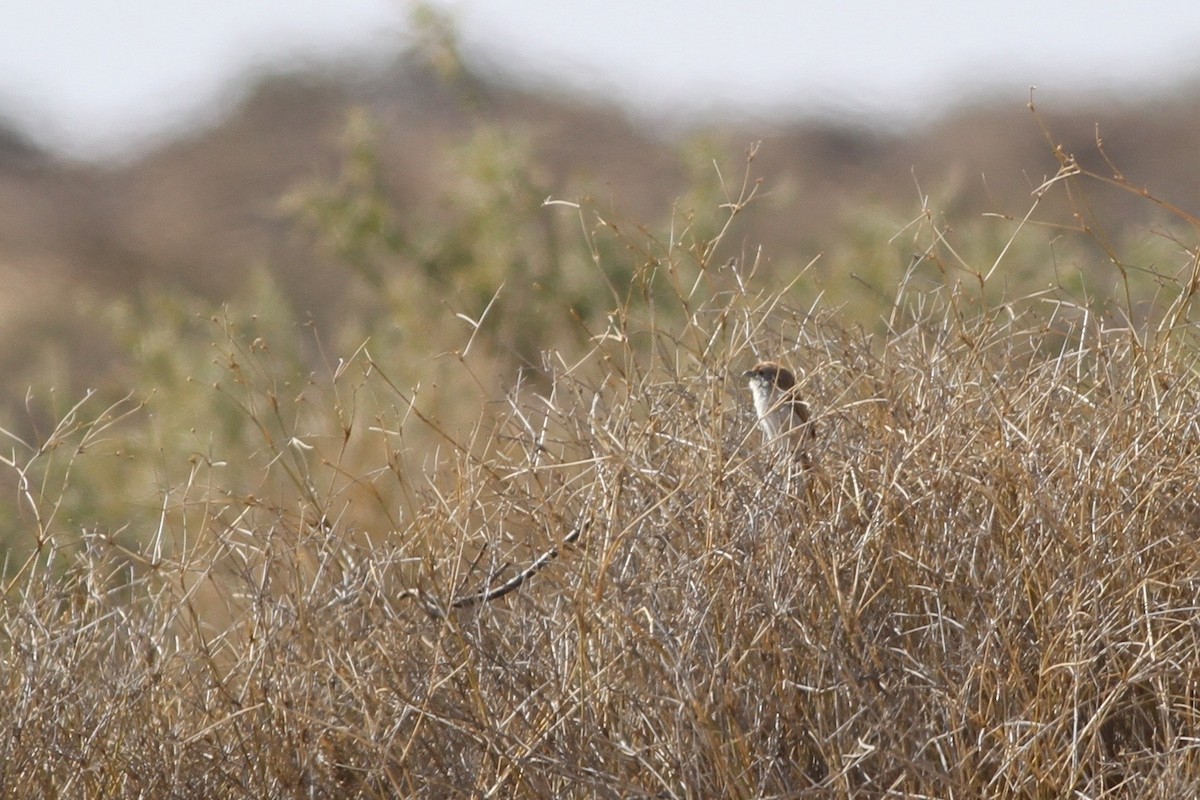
(986, 586)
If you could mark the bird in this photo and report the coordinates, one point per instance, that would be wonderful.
(782, 415)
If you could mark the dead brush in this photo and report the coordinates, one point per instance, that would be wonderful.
(987, 586)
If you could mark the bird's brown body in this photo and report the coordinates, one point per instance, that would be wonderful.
(782, 415)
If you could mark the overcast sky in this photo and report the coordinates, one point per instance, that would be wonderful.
(85, 76)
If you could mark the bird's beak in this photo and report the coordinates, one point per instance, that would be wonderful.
(748, 373)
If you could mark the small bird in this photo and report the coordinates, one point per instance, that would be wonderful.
(782, 415)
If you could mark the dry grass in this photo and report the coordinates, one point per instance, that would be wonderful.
(987, 587)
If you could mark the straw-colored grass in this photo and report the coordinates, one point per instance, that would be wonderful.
(987, 586)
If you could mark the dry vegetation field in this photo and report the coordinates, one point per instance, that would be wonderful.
(305, 581)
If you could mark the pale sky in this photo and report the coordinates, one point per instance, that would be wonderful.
(87, 76)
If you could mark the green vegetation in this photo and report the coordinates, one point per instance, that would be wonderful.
(233, 570)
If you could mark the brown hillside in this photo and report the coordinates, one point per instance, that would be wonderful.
(199, 213)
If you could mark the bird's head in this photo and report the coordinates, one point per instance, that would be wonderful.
(770, 375)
